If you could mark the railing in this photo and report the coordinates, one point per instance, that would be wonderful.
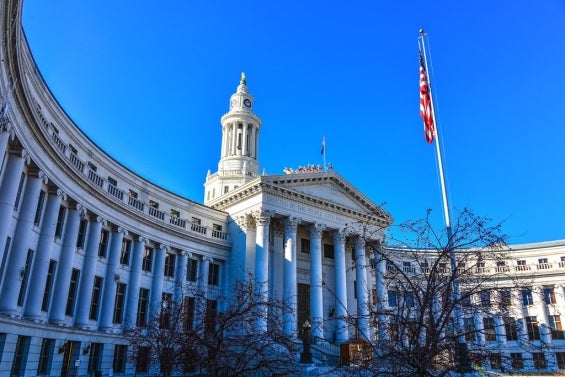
(178, 221)
(544, 266)
(76, 162)
(198, 228)
(135, 203)
(95, 178)
(114, 191)
(219, 234)
(60, 144)
(156, 213)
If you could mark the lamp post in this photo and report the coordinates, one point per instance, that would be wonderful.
(306, 356)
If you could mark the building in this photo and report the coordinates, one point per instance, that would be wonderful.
(87, 246)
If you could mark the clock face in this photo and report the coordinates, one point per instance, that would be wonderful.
(247, 102)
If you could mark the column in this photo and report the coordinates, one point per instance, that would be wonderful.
(316, 281)
(180, 275)
(5, 134)
(65, 265)
(479, 328)
(253, 142)
(15, 263)
(111, 279)
(8, 191)
(380, 282)
(88, 271)
(233, 139)
(362, 290)
(237, 257)
(42, 258)
(244, 149)
(157, 285)
(499, 329)
(342, 334)
(250, 246)
(224, 141)
(262, 220)
(289, 270)
(134, 282)
(201, 298)
(541, 309)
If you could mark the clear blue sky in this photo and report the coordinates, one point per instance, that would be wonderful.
(148, 82)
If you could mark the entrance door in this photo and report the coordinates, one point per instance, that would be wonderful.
(71, 360)
(303, 292)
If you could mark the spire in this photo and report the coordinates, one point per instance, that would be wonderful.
(242, 81)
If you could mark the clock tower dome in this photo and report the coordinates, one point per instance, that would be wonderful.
(240, 141)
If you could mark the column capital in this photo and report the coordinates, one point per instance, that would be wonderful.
(164, 247)
(99, 219)
(81, 209)
(144, 240)
(39, 174)
(206, 258)
(316, 230)
(60, 193)
(339, 235)
(263, 216)
(359, 242)
(25, 155)
(244, 221)
(122, 230)
(291, 224)
(185, 253)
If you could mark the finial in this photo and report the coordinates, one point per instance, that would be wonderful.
(243, 81)
(421, 31)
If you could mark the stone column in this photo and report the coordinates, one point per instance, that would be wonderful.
(380, 283)
(6, 132)
(540, 309)
(65, 265)
(15, 263)
(111, 280)
(42, 258)
(239, 249)
(180, 276)
(316, 281)
(202, 294)
(342, 334)
(479, 328)
(289, 270)
(88, 271)
(134, 282)
(262, 220)
(234, 139)
(250, 246)
(8, 191)
(158, 276)
(244, 150)
(362, 287)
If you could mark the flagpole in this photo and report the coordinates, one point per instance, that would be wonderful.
(464, 361)
(324, 151)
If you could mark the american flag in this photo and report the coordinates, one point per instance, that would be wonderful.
(426, 104)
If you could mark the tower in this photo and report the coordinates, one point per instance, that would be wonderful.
(240, 144)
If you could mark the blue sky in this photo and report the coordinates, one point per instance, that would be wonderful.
(149, 84)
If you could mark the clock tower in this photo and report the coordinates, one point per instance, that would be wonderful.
(240, 141)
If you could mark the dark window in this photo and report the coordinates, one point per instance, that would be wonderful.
(20, 189)
(95, 357)
(188, 319)
(211, 313)
(532, 326)
(143, 360)
(555, 326)
(119, 302)
(112, 181)
(485, 299)
(527, 297)
(408, 299)
(465, 299)
(305, 245)
(489, 328)
(539, 360)
(510, 328)
(560, 356)
(39, 209)
(20, 356)
(469, 329)
(82, 233)
(170, 260)
(142, 306)
(48, 285)
(328, 251)
(95, 301)
(517, 361)
(495, 360)
(505, 299)
(103, 244)
(147, 259)
(25, 277)
(549, 296)
(392, 299)
(166, 308)
(214, 274)
(72, 292)
(192, 270)
(126, 251)
(45, 356)
(120, 355)
(60, 222)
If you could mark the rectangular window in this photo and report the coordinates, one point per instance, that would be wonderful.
(95, 357)
(408, 299)
(170, 260)
(214, 274)
(211, 313)
(73, 285)
(25, 277)
(20, 356)
(188, 319)
(549, 296)
(527, 297)
(45, 356)
(20, 189)
(505, 299)
(465, 299)
(521, 265)
(495, 360)
(166, 307)
(192, 270)
(147, 259)
(489, 328)
(142, 306)
(555, 326)
(539, 360)
(120, 356)
(560, 357)
(510, 328)
(328, 251)
(125, 252)
(543, 264)
(485, 299)
(143, 359)
(112, 181)
(469, 329)
(103, 244)
(60, 222)
(407, 268)
(517, 361)
(532, 326)
(119, 302)
(392, 299)
(95, 301)
(305, 245)
(48, 285)
(39, 209)
(82, 233)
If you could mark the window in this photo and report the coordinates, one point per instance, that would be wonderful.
(549, 296)
(166, 308)
(192, 270)
(408, 299)
(489, 328)
(485, 299)
(328, 251)
(407, 268)
(60, 222)
(469, 329)
(142, 306)
(39, 209)
(25, 277)
(147, 259)
(82, 233)
(48, 285)
(119, 302)
(495, 360)
(188, 319)
(517, 361)
(103, 244)
(95, 301)
(527, 297)
(539, 360)
(555, 326)
(521, 265)
(45, 356)
(120, 355)
(392, 299)
(226, 188)
(211, 313)
(20, 356)
(133, 194)
(91, 166)
(20, 189)
(560, 357)
(143, 359)
(125, 252)
(465, 299)
(73, 285)
(425, 267)
(95, 357)
(505, 299)
(153, 204)
(214, 274)
(543, 264)
(112, 181)
(532, 326)
(305, 245)
(510, 328)
(170, 265)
